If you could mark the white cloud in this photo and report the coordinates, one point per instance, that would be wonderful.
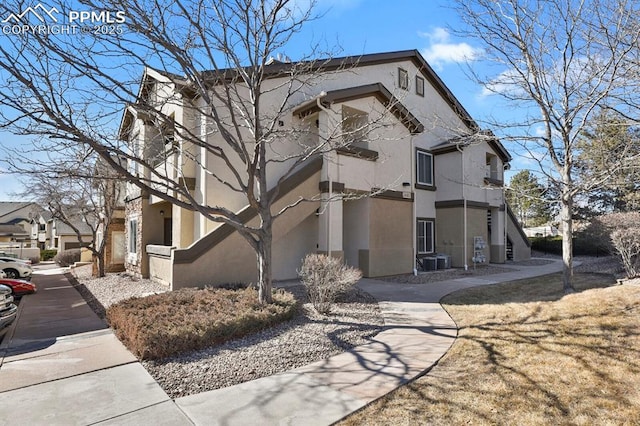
(442, 51)
(508, 82)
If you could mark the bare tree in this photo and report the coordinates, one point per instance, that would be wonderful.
(215, 58)
(84, 197)
(558, 64)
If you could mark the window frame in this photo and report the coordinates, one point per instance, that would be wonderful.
(419, 86)
(421, 223)
(422, 184)
(403, 79)
(132, 246)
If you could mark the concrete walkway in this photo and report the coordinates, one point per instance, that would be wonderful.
(70, 369)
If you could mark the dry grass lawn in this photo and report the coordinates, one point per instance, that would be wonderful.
(527, 355)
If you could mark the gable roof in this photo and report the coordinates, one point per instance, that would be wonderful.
(376, 90)
(12, 230)
(64, 229)
(8, 207)
(462, 141)
(283, 69)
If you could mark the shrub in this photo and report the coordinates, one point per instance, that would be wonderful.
(166, 324)
(551, 245)
(623, 231)
(325, 278)
(67, 257)
(583, 245)
(46, 255)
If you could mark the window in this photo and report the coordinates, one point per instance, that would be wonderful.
(492, 167)
(133, 236)
(403, 79)
(424, 168)
(419, 86)
(425, 236)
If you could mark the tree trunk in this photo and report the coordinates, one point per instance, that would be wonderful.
(265, 282)
(98, 265)
(567, 241)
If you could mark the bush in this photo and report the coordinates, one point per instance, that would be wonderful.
(67, 257)
(46, 255)
(550, 245)
(166, 324)
(623, 231)
(583, 245)
(325, 278)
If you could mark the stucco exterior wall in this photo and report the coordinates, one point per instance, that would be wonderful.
(450, 233)
(377, 234)
(390, 249)
(232, 260)
(521, 250)
(356, 229)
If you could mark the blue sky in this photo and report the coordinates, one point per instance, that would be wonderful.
(358, 27)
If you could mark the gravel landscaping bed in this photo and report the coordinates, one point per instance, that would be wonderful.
(307, 338)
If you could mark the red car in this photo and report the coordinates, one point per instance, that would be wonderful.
(19, 287)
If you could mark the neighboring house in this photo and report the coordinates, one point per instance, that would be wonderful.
(63, 237)
(441, 193)
(40, 231)
(15, 218)
(115, 244)
(10, 233)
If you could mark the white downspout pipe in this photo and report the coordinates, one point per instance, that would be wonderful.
(464, 207)
(415, 200)
(505, 216)
(326, 111)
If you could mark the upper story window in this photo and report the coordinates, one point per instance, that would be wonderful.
(168, 131)
(403, 79)
(492, 169)
(424, 168)
(163, 144)
(419, 86)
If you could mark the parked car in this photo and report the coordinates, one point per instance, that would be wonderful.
(15, 269)
(8, 310)
(19, 287)
(15, 259)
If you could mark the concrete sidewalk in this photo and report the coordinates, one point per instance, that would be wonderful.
(61, 365)
(418, 333)
(69, 368)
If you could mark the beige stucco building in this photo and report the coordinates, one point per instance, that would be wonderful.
(435, 179)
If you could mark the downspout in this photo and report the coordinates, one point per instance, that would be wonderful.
(326, 111)
(506, 216)
(414, 243)
(464, 207)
